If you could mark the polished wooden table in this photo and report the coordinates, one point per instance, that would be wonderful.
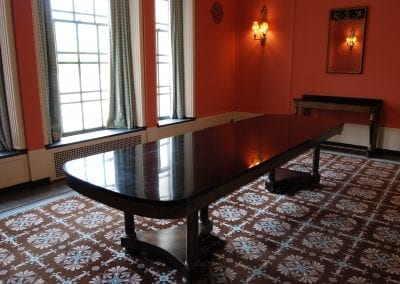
(180, 176)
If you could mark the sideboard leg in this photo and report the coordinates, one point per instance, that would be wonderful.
(316, 156)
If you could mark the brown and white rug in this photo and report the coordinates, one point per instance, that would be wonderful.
(345, 230)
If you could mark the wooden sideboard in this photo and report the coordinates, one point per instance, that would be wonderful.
(369, 106)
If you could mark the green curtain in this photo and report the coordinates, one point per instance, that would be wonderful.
(5, 133)
(48, 68)
(178, 89)
(122, 98)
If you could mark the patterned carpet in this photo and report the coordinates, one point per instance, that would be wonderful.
(345, 230)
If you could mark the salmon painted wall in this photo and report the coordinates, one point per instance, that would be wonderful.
(380, 78)
(264, 72)
(215, 57)
(149, 45)
(27, 72)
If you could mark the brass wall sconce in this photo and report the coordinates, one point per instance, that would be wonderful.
(351, 39)
(260, 28)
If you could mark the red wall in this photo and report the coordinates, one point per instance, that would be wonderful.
(380, 78)
(215, 56)
(264, 72)
(27, 72)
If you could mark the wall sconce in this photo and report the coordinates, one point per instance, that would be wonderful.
(260, 28)
(351, 39)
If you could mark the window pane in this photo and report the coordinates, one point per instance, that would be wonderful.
(89, 57)
(64, 5)
(90, 77)
(66, 57)
(84, 18)
(106, 106)
(104, 58)
(65, 37)
(162, 11)
(72, 117)
(163, 75)
(91, 96)
(104, 39)
(163, 43)
(102, 20)
(63, 16)
(84, 6)
(101, 7)
(165, 105)
(105, 76)
(87, 38)
(68, 77)
(92, 115)
(70, 98)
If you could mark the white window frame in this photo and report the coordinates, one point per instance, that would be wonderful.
(11, 80)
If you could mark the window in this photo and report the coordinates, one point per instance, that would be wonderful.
(82, 50)
(163, 60)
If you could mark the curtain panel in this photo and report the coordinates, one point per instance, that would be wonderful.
(178, 84)
(122, 98)
(48, 69)
(5, 132)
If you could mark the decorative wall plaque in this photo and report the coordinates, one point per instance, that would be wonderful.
(217, 12)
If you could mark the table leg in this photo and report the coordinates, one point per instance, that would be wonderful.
(130, 225)
(204, 216)
(316, 157)
(192, 242)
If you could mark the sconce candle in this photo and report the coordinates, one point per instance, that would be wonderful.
(351, 39)
(260, 28)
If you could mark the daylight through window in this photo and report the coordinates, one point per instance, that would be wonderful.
(163, 59)
(82, 49)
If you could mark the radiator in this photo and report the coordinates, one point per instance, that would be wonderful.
(64, 154)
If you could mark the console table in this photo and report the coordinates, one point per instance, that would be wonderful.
(361, 105)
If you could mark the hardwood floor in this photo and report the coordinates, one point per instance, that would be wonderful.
(13, 198)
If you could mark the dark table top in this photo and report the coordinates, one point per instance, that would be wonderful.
(178, 168)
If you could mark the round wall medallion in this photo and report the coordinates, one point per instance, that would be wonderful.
(217, 12)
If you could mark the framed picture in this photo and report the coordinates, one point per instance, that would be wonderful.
(346, 39)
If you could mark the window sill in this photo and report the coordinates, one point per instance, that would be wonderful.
(168, 122)
(90, 136)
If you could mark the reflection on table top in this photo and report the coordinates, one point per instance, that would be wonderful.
(177, 168)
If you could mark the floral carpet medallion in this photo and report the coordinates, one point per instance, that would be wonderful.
(344, 230)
